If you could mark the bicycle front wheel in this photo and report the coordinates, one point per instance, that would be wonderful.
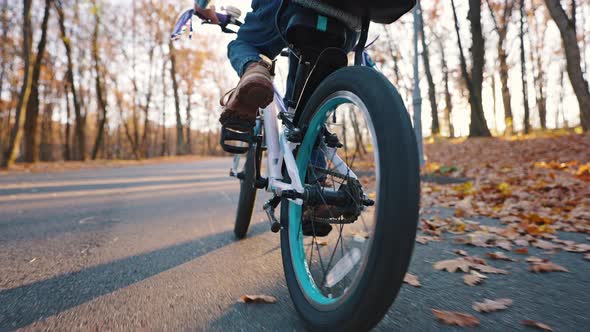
(247, 196)
(359, 143)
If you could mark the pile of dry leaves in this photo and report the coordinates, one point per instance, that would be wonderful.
(534, 186)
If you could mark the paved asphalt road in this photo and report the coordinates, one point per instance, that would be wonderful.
(151, 248)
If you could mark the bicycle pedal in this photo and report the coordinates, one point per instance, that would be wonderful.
(235, 142)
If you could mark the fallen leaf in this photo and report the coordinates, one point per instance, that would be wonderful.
(460, 252)
(475, 260)
(425, 239)
(452, 265)
(85, 220)
(421, 239)
(564, 242)
(522, 251)
(459, 213)
(480, 240)
(456, 318)
(461, 240)
(492, 305)
(533, 259)
(579, 248)
(538, 325)
(258, 299)
(545, 245)
(473, 278)
(322, 243)
(498, 255)
(546, 267)
(504, 245)
(521, 243)
(412, 280)
(488, 269)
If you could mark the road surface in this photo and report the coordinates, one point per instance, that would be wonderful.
(151, 248)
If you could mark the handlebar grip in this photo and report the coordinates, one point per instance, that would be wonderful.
(223, 19)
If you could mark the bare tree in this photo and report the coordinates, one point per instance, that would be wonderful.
(448, 98)
(478, 126)
(180, 146)
(435, 127)
(567, 29)
(79, 117)
(501, 27)
(536, 59)
(100, 98)
(31, 121)
(17, 130)
(525, 94)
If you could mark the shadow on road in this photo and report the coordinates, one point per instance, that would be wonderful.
(24, 305)
(110, 184)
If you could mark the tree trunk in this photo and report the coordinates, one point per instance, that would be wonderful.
(448, 97)
(395, 56)
(125, 124)
(164, 146)
(572, 54)
(25, 92)
(435, 126)
(67, 150)
(478, 126)
(146, 111)
(189, 146)
(536, 59)
(525, 94)
(32, 119)
(46, 145)
(562, 105)
(501, 28)
(506, 96)
(79, 118)
(494, 102)
(100, 98)
(3, 64)
(180, 146)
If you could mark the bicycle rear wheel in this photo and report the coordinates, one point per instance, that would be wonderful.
(348, 280)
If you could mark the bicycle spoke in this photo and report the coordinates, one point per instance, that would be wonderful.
(336, 174)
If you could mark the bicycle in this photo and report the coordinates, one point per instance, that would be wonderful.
(342, 115)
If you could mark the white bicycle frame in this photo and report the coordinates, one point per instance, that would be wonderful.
(280, 150)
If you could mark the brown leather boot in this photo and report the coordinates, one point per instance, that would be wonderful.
(254, 91)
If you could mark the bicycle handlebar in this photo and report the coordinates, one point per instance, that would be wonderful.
(224, 21)
(185, 20)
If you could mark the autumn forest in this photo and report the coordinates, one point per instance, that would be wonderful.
(100, 79)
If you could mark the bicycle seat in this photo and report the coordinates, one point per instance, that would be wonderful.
(310, 31)
(351, 11)
(353, 22)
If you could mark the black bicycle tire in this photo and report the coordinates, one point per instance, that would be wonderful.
(393, 243)
(247, 197)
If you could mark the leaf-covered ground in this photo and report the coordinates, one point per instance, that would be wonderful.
(538, 189)
(536, 185)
